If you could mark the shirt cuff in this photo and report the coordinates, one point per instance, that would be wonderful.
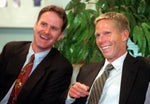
(69, 100)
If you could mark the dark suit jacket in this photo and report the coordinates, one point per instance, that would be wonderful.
(47, 82)
(134, 81)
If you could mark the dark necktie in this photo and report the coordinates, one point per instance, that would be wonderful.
(20, 81)
(98, 85)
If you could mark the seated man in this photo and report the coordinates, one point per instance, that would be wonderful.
(47, 76)
(120, 78)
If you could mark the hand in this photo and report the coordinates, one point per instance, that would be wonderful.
(78, 90)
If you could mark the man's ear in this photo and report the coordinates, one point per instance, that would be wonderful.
(125, 35)
(60, 36)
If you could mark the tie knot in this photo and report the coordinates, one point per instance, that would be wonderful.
(32, 57)
(109, 67)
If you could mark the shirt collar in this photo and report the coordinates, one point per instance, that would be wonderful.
(37, 55)
(117, 63)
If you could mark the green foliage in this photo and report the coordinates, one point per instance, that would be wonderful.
(79, 44)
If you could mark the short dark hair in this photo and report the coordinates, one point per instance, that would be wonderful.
(58, 10)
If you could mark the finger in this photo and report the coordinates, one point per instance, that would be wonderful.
(78, 90)
(83, 87)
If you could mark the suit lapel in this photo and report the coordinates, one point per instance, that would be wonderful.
(128, 77)
(37, 74)
(93, 70)
(16, 63)
(21, 57)
(96, 70)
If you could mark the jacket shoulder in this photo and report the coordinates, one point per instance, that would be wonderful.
(144, 60)
(12, 48)
(17, 44)
(57, 55)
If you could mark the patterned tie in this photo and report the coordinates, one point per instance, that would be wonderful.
(98, 85)
(23, 76)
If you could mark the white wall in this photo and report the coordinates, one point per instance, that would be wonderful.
(26, 14)
(16, 23)
(14, 34)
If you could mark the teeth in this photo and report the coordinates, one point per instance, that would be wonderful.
(44, 37)
(106, 47)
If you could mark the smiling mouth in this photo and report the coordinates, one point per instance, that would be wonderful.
(44, 37)
(106, 47)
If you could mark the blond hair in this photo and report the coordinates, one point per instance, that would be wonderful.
(119, 19)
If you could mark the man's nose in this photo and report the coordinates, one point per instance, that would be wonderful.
(47, 29)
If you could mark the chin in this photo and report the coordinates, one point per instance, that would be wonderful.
(107, 56)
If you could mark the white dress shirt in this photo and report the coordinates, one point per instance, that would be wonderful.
(38, 58)
(111, 90)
